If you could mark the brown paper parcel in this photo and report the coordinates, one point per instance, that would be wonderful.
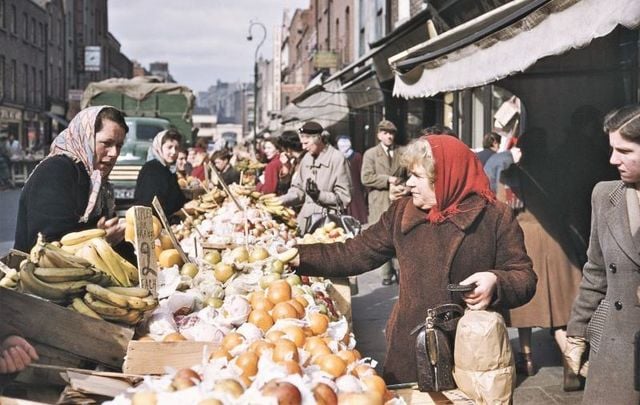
(484, 368)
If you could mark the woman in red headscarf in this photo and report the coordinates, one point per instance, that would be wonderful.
(450, 230)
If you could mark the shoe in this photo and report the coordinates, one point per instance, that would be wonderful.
(387, 281)
(570, 381)
(524, 364)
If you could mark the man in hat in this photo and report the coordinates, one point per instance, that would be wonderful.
(323, 179)
(380, 169)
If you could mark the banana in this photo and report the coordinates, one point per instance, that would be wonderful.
(130, 291)
(130, 318)
(80, 306)
(76, 238)
(150, 302)
(111, 259)
(31, 284)
(267, 196)
(9, 283)
(49, 255)
(55, 275)
(89, 253)
(130, 270)
(107, 296)
(288, 255)
(102, 308)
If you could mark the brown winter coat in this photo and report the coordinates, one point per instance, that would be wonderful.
(480, 238)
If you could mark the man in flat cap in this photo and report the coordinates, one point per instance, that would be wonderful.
(381, 168)
(323, 179)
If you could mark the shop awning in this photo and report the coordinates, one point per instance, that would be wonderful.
(327, 105)
(506, 41)
(363, 90)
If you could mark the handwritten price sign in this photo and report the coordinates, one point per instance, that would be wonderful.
(147, 262)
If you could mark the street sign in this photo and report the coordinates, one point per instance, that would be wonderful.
(92, 58)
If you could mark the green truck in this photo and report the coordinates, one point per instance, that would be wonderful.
(150, 107)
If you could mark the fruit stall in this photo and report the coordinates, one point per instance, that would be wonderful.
(211, 314)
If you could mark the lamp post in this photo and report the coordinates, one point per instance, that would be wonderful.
(255, 78)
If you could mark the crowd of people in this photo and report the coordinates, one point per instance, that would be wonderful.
(435, 212)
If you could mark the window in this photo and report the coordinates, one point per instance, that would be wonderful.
(49, 79)
(404, 11)
(60, 84)
(40, 85)
(13, 79)
(25, 23)
(2, 18)
(1, 77)
(25, 80)
(12, 20)
(34, 85)
(34, 29)
(42, 36)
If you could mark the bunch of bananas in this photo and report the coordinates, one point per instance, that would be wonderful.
(116, 304)
(10, 278)
(59, 284)
(91, 247)
(272, 204)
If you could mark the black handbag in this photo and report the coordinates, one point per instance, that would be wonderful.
(434, 348)
(333, 214)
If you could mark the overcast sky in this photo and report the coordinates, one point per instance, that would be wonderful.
(203, 40)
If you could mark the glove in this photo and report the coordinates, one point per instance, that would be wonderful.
(312, 189)
(573, 352)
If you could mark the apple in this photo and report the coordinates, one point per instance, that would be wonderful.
(324, 395)
(240, 254)
(223, 272)
(277, 267)
(258, 253)
(189, 269)
(286, 393)
(212, 257)
(294, 280)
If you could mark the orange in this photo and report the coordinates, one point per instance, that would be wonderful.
(295, 333)
(299, 308)
(279, 291)
(332, 364)
(165, 240)
(232, 340)
(318, 323)
(283, 310)
(347, 355)
(301, 300)
(374, 383)
(273, 335)
(157, 249)
(285, 349)
(292, 366)
(260, 346)
(262, 303)
(248, 363)
(261, 319)
(169, 258)
(129, 232)
(130, 216)
(157, 227)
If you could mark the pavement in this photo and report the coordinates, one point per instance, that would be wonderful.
(371, 308)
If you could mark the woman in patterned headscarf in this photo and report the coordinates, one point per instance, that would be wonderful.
(156, 179)
(68, 191)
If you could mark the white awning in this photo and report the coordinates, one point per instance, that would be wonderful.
(551, 29)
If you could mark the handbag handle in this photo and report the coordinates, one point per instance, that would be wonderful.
(443, 316)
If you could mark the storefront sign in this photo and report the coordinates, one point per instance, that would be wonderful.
(10, 114)
(325, 59)
(92, 58)
(75, 95)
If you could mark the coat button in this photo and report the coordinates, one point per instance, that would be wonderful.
(618, 305)
(613, 268)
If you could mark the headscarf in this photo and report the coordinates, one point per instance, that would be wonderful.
(78, 142)
(344, 146)
(156, 147)
(459, 174)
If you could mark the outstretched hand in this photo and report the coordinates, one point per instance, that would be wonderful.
(481, 296)
(17, 354)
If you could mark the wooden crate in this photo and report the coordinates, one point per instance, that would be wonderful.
(64, 336)
(153, 357)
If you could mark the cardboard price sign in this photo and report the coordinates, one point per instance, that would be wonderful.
(147, 261)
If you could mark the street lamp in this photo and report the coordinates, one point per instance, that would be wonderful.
(255, 77)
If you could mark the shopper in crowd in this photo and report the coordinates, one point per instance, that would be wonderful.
(68, 191)
(438, 130)
(156, 178)
(199, 164)
(529, 188)
(269, 179)
(358, 206)
(606, 312)
(381, 168)
(222, 161)
(490, 145)
(183, 169)
(15, 149)
(451, 230)
(291, 153)
(323, 179)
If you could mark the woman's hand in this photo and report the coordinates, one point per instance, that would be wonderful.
(16, 355)
(114, 228)
(481, 296)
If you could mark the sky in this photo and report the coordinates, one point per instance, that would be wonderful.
(203, 40)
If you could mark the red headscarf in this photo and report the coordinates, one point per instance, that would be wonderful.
(459, 174)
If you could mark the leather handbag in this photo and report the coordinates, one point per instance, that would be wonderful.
(333, 214)
(434, 348)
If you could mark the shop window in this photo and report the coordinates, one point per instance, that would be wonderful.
(13, 80)
(34, 31)
(25, 22)
(1, 77)
(25, 80)
(2, 14)
(13, 17)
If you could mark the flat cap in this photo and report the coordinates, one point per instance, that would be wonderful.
(387, 126)
(311, 128)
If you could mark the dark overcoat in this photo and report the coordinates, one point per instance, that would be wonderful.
(607, 299)
(482, 237)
